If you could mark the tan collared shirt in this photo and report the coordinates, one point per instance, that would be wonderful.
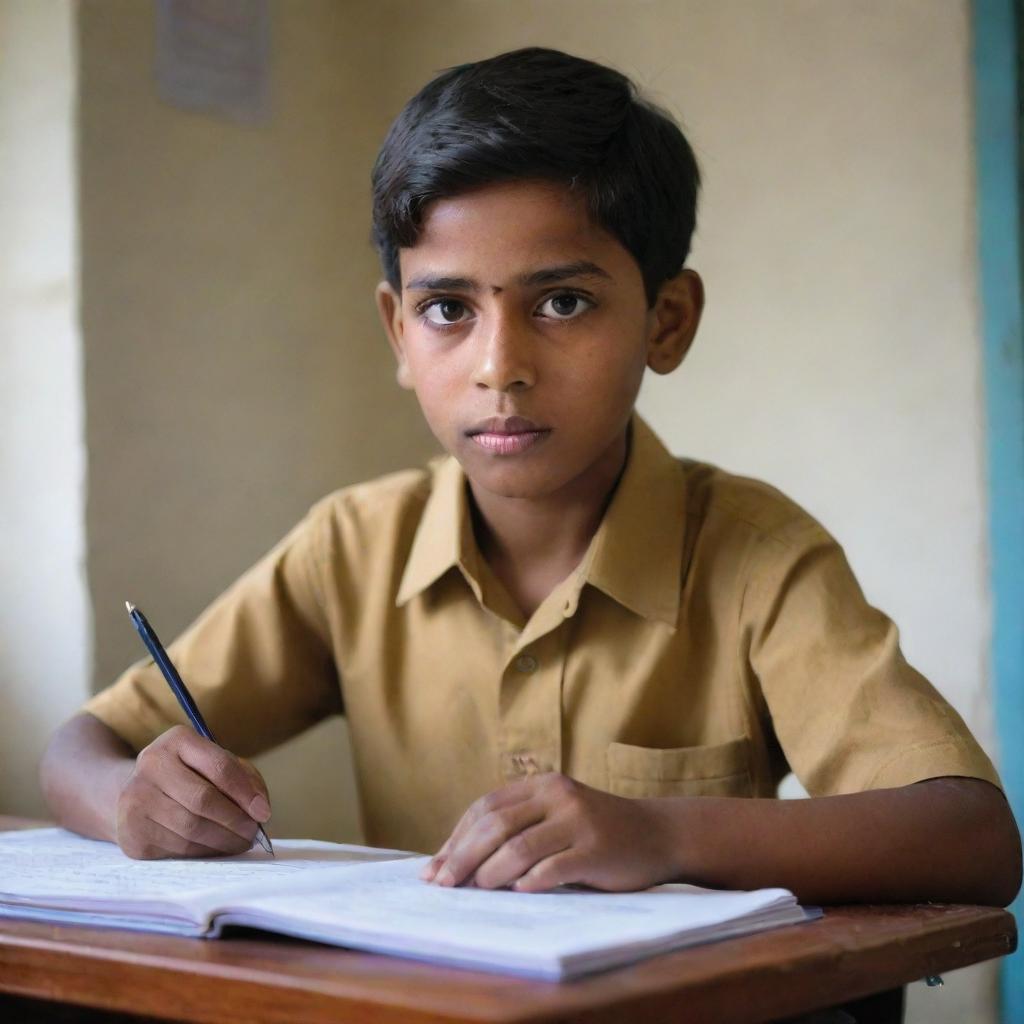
(712, 635)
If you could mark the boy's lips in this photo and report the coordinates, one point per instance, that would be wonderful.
(505, 425)
(507, 435)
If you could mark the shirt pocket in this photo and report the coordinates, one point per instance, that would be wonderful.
(722, 769)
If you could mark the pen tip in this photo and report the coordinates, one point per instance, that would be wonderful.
(264, 840)
(129, 606)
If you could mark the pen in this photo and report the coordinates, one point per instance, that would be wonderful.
(174, 681)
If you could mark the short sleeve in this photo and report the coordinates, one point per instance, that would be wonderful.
(848, 711)
(258, 661)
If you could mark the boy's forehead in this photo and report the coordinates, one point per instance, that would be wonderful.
(503, 234)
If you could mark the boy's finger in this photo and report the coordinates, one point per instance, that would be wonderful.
(431, 867)
(214, 839)
(489, 833)
(199, 796)
(521, 853)
(495, 801)
(490, 803)
(167, 842)
(225, 771)
(561, 868)
(256, 774)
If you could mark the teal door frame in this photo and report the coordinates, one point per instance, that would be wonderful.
(997, 115)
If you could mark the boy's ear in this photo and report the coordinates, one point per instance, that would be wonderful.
(673, 321)
(389, 305)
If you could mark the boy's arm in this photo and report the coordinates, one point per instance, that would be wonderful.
(947, 840)
(944, 840)
(259, 663)
(181, 796)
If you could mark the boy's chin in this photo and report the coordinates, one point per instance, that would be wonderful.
(518, 482)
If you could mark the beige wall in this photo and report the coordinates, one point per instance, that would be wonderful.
(44, 613)
(234, 370)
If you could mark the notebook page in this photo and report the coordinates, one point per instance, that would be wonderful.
(57, 869)
(386, 907)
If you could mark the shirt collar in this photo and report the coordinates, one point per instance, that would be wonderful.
(635, 556)
(444, 537)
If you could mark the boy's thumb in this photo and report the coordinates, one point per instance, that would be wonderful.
(257, 778)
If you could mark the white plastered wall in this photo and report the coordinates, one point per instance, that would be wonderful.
(45, 628)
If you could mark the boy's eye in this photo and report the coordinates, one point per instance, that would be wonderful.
(443, 311)
(447, 312)
(565, 306)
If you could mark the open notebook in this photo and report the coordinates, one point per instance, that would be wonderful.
(370, 899)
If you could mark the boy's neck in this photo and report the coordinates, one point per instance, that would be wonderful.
(533, 544)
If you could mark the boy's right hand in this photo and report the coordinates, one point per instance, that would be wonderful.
(187, 797)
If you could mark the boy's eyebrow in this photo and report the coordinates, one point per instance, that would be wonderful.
(545, 275)
(551, 275)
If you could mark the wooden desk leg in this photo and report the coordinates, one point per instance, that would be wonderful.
(37, 1011)
(881, 1008)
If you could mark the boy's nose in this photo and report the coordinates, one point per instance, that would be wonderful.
(505, 362)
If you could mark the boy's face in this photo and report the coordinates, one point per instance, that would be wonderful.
(516, 307)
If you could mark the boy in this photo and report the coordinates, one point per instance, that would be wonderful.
(565, 656)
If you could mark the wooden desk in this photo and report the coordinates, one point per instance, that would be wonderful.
(852, 952)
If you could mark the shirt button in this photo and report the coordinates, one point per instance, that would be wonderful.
(526, 663)
(524, 764)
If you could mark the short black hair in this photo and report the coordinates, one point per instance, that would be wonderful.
(541, 114)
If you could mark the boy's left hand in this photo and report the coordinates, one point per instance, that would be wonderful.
(549, 830)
